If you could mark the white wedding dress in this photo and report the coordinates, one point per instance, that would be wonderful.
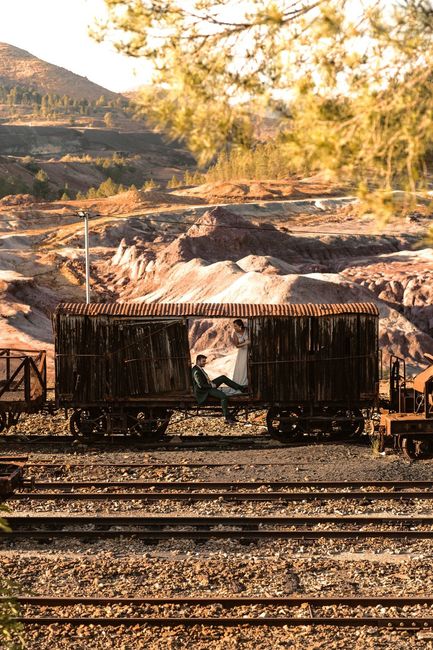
(240, 373)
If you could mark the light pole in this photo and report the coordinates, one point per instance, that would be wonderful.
(85, 215)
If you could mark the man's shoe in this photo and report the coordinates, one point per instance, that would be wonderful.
(244, 389)
(230, 421)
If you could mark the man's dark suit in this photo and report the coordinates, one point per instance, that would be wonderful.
(203, 388)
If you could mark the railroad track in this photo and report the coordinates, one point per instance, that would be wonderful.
(229, 491)
(169, 442)
(233, 611)
(288, 463)
(280, 618)
(155, 528)
(393, 485)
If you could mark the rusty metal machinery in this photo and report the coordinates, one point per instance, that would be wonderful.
(23, 384)
(410, 427)
(11, 475)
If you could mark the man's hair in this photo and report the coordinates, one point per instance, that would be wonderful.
(200, 357)
(239, 322)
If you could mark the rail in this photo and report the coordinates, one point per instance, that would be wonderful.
(156, 528)
(224, 496)
(261, 615)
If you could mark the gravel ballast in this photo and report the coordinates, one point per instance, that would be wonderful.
(130, 567)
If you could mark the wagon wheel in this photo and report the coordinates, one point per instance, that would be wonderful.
(3, 421)
(84, 423)
(417, 448)
(149, 423)
(286, 426)
(352, 427)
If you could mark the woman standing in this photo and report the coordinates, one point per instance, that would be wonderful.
(241, 340)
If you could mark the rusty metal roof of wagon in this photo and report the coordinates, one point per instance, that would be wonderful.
(213, 310)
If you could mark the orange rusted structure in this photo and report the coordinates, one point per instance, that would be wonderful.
(23, 383)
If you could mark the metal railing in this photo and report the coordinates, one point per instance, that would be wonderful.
(23, 375)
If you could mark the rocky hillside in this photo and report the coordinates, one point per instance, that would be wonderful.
(20, 68)
(161, 246)
(73, 157)
(74, 135)
(225, 257)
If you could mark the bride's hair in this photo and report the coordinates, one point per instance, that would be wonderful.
(239, 322)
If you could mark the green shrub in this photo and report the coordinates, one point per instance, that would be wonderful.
(173, 183)
(85, 158)
(41, 187)
(92, 193)
(12, 185)
(30, 163)
(107, 188)
(149, 185)
(265, 161)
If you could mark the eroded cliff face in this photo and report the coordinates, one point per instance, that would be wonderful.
(404, 281)
(156, 248)
(225, 257)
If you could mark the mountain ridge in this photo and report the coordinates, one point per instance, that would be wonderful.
(19, 67)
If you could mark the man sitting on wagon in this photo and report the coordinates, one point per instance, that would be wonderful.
(203, 387)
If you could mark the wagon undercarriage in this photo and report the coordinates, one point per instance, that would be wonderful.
(283, 423)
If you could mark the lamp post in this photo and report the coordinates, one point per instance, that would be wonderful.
(85, 215)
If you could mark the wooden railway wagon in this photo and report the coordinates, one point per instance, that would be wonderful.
(23, 384)
(127, 367)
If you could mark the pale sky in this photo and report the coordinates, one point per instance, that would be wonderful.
(57, 31)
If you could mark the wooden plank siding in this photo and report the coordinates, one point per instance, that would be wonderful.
(106, 359)
(326, 359)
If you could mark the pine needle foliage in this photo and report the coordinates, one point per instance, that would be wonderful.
(269, 160)
(149, 185)
(10, 631)
(174, 182)
(11, 637)
(350, 83)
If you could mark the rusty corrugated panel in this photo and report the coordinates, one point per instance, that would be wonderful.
(214, 310)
